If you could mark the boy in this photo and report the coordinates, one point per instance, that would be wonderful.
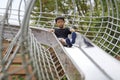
(62, 33)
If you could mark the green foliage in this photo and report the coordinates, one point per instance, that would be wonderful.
(18, 78)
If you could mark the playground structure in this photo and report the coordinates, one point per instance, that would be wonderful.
(28, 50)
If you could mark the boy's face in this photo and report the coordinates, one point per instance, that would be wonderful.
(60, 23)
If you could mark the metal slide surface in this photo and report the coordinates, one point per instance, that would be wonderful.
(94, 63)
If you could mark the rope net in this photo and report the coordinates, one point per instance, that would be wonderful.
(99, 20)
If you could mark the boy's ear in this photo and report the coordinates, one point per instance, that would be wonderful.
(55, 24)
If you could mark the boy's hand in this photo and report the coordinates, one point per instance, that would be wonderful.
(72, 30)
(51, 30)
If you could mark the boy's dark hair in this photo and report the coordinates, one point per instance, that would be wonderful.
(60, 17)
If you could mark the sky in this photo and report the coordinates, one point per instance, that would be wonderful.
(14, 13)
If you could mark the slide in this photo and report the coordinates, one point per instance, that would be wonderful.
(95, 63)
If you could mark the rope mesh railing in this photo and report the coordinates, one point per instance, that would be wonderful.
(96, 19)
